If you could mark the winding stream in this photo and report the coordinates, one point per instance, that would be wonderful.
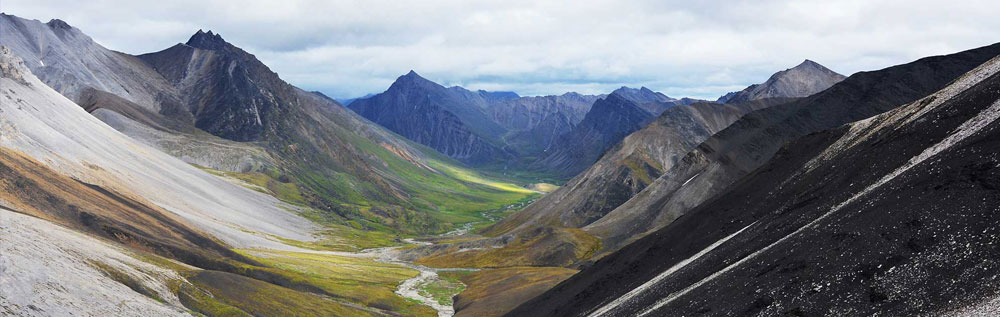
(411, 288)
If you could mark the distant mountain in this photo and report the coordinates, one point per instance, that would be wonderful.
(609, 120)
(476, 127)
(800, 81)
(861, 219)
(453, 121)
(533, 123)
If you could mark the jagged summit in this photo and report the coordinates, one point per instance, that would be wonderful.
(58, 24)
(412, 79)
(641, 95)
(206, 40)
(411, 75)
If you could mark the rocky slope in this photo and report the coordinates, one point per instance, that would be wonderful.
(50, 270)
(803, 80)
(123, 90)
(534, 123)
(908, 228)
(630, 166)
(753, 139)
(45, 126)
(607, 122)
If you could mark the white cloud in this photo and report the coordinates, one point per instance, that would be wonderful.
(703, 49)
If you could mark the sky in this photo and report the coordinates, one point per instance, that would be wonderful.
(699, 49)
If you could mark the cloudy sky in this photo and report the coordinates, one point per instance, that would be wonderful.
(350, 48)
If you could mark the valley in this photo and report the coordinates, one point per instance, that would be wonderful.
(194, 180)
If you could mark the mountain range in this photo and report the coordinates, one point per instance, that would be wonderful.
(480, 128)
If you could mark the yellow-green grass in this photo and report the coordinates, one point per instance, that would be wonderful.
(265, 183)
(235, 293)
(442, 290)
(546, 247)
(450, 195)
(543, 187)
(494, 292)
(359, 280)
(336, 237)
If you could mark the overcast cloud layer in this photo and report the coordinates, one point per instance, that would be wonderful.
(350, 48)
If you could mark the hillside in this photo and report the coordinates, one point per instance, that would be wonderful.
(217, 106)
(802, 235)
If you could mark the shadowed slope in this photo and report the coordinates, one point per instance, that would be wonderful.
(909, 227)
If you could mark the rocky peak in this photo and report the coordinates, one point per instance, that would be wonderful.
(412, 79)
(804, 79)
(207, 40)
(641, 95)
(615, 104)
(59, 24)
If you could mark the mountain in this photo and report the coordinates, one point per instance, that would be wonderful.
(892, 214)
(609, 120)
(800, 81)
(213, 104)
(533, 123)
(749, 142)
(123, 91)
(631, 165)
(480, 128)
(452, 121)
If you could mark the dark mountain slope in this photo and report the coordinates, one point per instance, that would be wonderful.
(534, 123)
(751, 141)
(896, 214)
(452, 121)
(608, 121)
(800, 81)
(630, 166)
